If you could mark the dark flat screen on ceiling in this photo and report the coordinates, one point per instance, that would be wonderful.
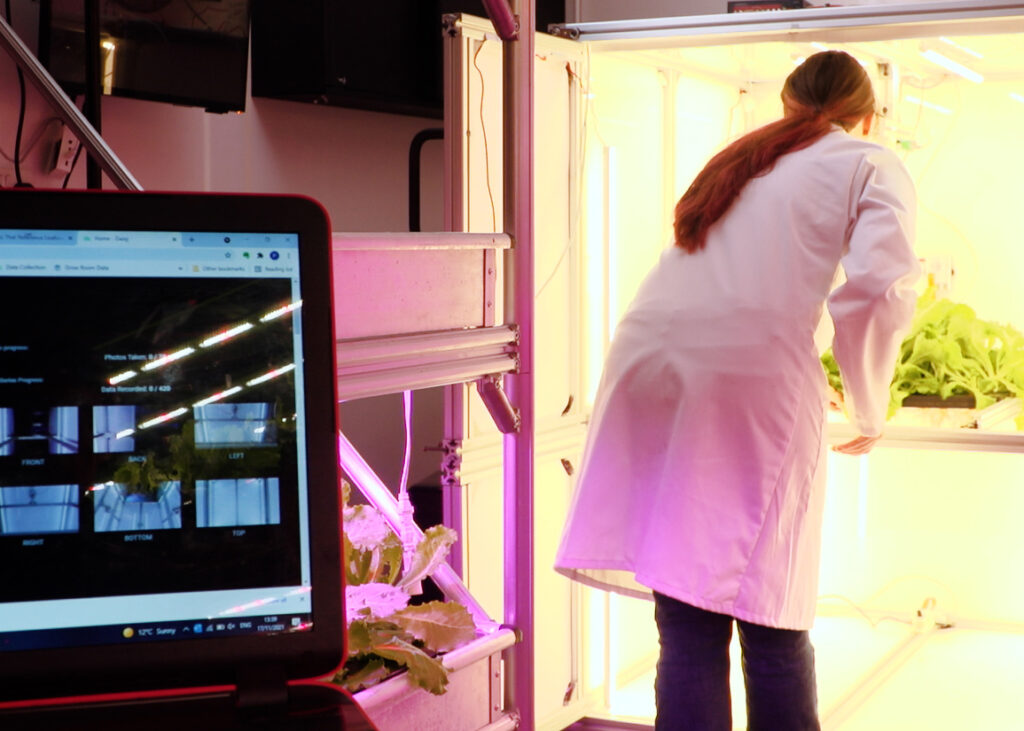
(189, 52)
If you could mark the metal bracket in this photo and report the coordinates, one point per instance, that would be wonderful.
(451, 463)
(505, 416)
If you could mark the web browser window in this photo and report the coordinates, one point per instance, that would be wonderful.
(152, 484)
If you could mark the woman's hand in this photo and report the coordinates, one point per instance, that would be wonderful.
(860, 445)
(835, 399)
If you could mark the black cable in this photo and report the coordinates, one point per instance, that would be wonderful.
(21, 113)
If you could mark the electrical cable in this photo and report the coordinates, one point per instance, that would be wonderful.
(409, 533)
(577, 174)
(20, 183)
(856, 607)
(483, 130)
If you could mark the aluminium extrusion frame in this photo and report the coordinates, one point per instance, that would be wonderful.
(518, 217)
(931, 17)
(378, 366)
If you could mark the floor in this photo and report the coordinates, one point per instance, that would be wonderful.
(887, 676)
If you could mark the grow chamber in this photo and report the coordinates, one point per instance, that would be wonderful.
(918, 544)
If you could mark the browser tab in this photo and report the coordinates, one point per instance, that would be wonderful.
(128, 239)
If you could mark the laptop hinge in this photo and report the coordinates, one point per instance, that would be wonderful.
(262, 689)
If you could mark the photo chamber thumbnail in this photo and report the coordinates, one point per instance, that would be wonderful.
(247, 501)
(235, 425)
(36, 432)
(112, 427)
(117, 508)
(38, 509)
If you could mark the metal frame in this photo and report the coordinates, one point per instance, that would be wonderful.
(517, 72)
(784, 25)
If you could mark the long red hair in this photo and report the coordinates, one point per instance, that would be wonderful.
(829, 87)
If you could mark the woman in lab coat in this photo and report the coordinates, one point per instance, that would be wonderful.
(703, 474)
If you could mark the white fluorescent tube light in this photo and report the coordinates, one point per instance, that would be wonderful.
(272, 374)
(162, 418)
(217, 396)
(226, 335)
(951, 65)
(957, 46)
(928, 105)
(280, 311)
(121, 377)
(1017, 97)
(168, 358)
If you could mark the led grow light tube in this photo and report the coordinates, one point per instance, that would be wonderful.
(951, 65)
(162, 418)
(226, 335)
(928, 105)
(217, 396)
(177, 355)
(957, 46)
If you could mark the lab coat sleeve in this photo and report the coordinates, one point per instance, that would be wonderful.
(873, 308)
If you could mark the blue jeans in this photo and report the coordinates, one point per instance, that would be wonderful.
(692, 685)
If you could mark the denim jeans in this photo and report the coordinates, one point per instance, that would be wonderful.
(692, 685)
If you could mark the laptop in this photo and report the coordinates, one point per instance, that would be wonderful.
(169, 509)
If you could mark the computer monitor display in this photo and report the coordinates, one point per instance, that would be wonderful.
(166, 406)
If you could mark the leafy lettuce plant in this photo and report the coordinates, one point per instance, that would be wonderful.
(385, 632)
(950, 351)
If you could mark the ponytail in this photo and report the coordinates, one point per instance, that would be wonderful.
(829, 87)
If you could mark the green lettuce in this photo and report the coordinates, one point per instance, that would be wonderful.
(951, 351)
(385, 633)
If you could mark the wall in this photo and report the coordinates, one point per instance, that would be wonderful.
(355, 163)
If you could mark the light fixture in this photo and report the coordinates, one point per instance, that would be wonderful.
(1017, 97)
(164, 360)
(271, 374)
(951, 65)
(928, 105)
(121, 377)
(220, 395)
(226, 335)
(163, 418)
(959, 47)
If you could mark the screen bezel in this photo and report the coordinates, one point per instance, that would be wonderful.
(214, 661)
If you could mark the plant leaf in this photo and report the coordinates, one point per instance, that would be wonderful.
(425, 671)
(362, 672)
(441, 626)
(373, 601)
(950, 351)
(430, 552)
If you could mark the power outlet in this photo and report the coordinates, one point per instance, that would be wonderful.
(64, 156)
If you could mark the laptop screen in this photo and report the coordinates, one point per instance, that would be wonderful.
(155, 440)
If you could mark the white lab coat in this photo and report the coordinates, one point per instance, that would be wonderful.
(703, 472)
